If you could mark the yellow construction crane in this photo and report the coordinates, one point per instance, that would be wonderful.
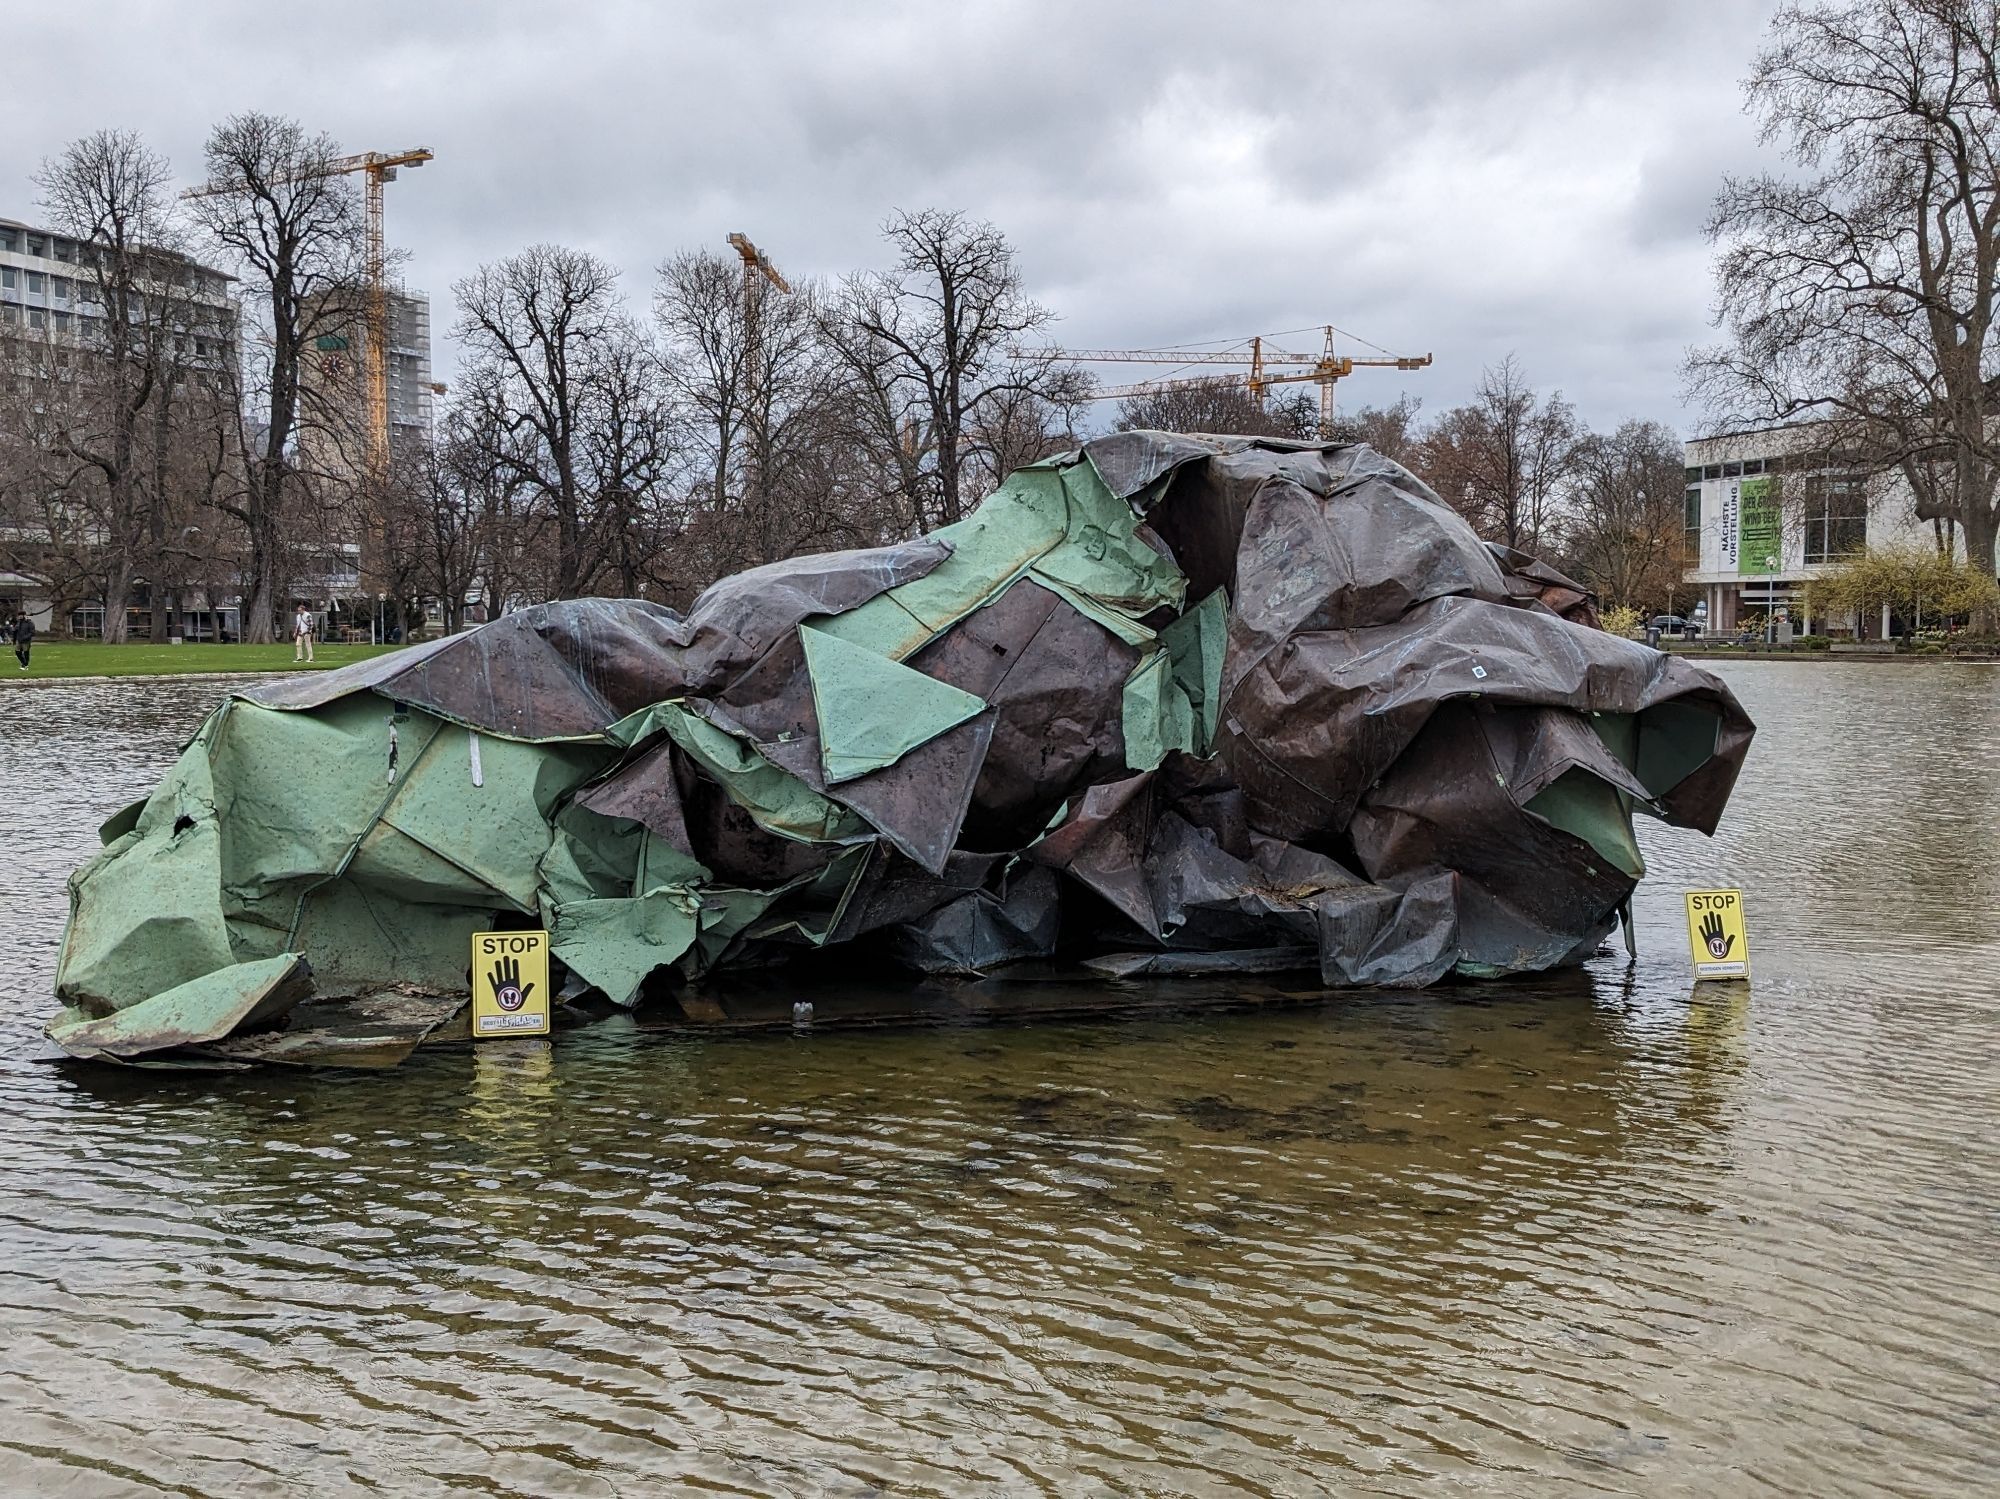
(757, 270)
(756, 263)
(377, 168)
(1323, 369)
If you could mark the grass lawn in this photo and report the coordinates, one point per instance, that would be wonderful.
(91, 658)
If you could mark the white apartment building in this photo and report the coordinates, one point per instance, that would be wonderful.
(1769, 511)
(47, 296)
(46, 287)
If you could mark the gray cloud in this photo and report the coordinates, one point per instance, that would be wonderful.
(1468, 179)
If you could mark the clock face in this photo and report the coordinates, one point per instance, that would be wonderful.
(333, 366)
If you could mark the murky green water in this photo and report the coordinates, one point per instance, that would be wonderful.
(1577, 1236)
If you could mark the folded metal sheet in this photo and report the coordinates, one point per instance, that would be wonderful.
(1172, 704)
(239, 997)
(872, 711)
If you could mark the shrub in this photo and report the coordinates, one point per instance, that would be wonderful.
(1916, 579)
(1622, 619)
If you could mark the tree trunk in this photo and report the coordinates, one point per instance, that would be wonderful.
(117, 592)
(947, 451)
(257, 621)
(1977, 521)
(257, 617)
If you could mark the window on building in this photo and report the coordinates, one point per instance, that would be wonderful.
(1691, 540)
(9, 277)
(9, 240)
(37, 318)
(1692, 475)
(1836, 516)
(1732, 470)
(62, 321)
(11, 314)
(1713, 471)
(37, 283)
(35, 246)
(60, 286)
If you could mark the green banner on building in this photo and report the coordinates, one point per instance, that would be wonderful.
(1762, 533)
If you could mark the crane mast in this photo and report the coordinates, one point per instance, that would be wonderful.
(377, 168)
(757, 273)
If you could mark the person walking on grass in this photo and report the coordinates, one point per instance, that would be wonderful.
(23, 635)
(302, 635)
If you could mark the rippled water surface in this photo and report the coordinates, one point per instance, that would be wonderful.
(1588, 1235)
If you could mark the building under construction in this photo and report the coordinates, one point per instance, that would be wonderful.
(348, 449)
(336, 374)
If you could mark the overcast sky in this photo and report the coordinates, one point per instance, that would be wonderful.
(1467, 179)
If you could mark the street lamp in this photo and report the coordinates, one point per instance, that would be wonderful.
(1639, 515)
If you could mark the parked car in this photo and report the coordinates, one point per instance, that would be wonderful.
(1667, 624)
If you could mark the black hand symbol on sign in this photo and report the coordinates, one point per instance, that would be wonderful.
(1711, 933)
(508, 991)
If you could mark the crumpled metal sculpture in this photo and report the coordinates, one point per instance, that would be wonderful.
(1168, 705)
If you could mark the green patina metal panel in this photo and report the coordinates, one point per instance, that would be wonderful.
(873, 711)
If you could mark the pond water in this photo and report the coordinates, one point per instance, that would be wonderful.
(1591, 1234)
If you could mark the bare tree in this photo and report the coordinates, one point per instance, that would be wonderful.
(124, 367)
(558, 364)
(1394, 431)
(932, 342)
(1625, 533)
(47, 532)
(698, 307)
(296, 231)
(1024, 426)
(109, 190)
(501, 530)
(448, 520)
(1860, 290)
(1501, 459)
(764, 412)
(404, 502)
(633, 453)
(1220, 404)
